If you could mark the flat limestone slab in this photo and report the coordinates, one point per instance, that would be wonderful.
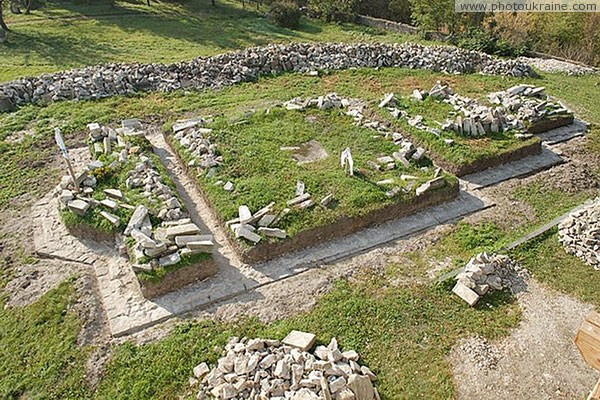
(300, 340)
(565, 133)
(516, 169)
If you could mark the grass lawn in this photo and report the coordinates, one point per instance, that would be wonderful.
(69, 34)
(263, 173)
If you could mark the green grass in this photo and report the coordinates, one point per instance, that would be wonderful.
(83, 33)
(263, 173)
(546, 258)
(40, 357)
(158, 273)
(402, 334)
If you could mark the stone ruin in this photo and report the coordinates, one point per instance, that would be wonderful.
(108, 80)
(514, 109)
(579, 233)
(260, 369)
(153, 246)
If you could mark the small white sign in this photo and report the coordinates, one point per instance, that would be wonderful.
(60, 142)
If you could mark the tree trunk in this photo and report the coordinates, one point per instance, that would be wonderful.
(214, 3)
(2, 23)
(28, 6)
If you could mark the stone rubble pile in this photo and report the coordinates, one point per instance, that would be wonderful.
(248, 65)
(261, 369)
(251, 226)
(164, 245)
(513, 109)
(579, 233)
(484, 273)
(195, 138)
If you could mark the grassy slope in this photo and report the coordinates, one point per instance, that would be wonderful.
(165, 32)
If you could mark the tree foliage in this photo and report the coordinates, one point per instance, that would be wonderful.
(334, 10)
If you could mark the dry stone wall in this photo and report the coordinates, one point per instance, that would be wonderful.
(247, 65)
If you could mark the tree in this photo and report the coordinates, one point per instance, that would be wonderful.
(2, 23)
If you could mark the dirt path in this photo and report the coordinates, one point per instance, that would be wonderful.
(538, 361)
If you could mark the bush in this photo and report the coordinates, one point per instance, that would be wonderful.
(334, 10)
(488, 42)
(286, 14)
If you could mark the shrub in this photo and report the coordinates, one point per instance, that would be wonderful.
(334, 10)
(488, 42)
(286, 14)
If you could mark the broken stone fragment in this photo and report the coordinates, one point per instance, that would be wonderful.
(299, 199)
(78, 206)
(300, 186)
(273, 232)
(169, 260)
(385, 182)
(244, 214)
(65, 196)
(158, 250)
(326, 201)
(465, 293)
(113, 219)
(136, 220)
(431, 185)
(305, 204)
(244, 232)
(114, 193)
(95, 165)
(181, 241)
(387, 100)
(182, 230)
(300, 340)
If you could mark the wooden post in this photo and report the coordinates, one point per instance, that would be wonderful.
(588, 343)
(65, 154)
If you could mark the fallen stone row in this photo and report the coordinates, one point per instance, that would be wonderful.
(580, 234)
(485, 273)
(248, 65)
(552, 65)
(261, 369)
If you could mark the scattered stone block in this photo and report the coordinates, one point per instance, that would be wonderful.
(361, 386)
(182, 230)
(244, 214)
(181, 241)
(109, 204)
(431, 185)
(466, 293)
(244, 232)
(78, 206)
(169, 260)
(114, 193)
(203, 246)
(140, 212)
(300, 340)
(266, 220)
(326, 201)
(299, 199)
(144, 240)
(113, 219)
(300, 186)
(228, 186)
(273, 232)
(158, 250)
(387, 100)
(133, 124)
(305, 204)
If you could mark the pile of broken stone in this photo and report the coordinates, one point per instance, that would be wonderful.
(268, 369)
(164, 245)
(515, 109)
(248, 65)
(357, 109)
(485, 273)
(579, 233)
(196, 139)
